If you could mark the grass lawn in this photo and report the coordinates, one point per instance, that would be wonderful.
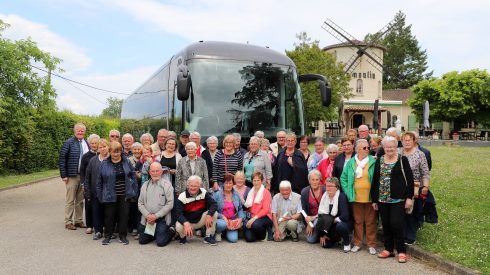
(6, 181)
(460, 181)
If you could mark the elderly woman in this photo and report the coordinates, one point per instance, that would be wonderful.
(311, 197)
(326, 165)
(256, 160)
(169, 159)
(356, 183)
(137, 151)
(240, 187)
(352, 134)
(421, 177)
(304, 142)
(391, 193)
(391, 132)
(212, 144)
(134, 213)
(342, 159)
(230, 210)
(258, 204)
(116, 186)
(142, 167)
(318, 155)
(191, 165)
(92, 172)
(265, 146)
(291, 166)
(228, 160)
(146, 139)
(333, 216)
(93, 141)
(375, 143)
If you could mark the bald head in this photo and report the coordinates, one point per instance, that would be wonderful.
(156, 171)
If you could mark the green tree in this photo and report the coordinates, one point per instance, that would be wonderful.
(405, 62)
(455, 96)
(114, 108)
(25, 96)
(311, 59)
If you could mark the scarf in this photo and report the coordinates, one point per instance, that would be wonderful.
(316, 160)
(325, 204)
(258, 198)
(360, 166)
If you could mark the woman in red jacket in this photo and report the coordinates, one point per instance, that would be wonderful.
(259, 210)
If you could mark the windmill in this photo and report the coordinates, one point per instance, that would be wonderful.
(359, 49)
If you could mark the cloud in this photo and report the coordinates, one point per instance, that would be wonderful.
(74, 57)
(84, 100)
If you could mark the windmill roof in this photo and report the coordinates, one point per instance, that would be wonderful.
(397, 94)
(356, 42)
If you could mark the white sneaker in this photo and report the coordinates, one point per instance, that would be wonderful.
(355, 248)
(217, 237)
(372, 251)
(346, 248)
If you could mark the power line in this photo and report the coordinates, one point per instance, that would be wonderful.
(93, 97)
(79, 83)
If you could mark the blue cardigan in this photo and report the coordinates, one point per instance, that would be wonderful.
(70, 157)
(106, 181)
(220, 201)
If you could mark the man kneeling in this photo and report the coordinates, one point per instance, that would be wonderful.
(286, 212)
(155, 202)
(196, 208)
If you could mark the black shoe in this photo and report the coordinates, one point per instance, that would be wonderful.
(123, 240)
(106, 241)
(183, 240)
(409, 242)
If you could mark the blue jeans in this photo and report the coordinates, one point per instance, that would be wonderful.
(231, 235)
(314, 238)
(162, 235)
(258, 229)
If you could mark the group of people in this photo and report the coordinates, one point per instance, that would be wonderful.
(169, 189)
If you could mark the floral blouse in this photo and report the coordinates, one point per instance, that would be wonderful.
(384, 182)
(418, 163)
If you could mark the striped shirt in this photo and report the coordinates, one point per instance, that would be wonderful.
(234, 163)
(120, 179)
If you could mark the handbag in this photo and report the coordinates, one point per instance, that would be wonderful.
(408, 210)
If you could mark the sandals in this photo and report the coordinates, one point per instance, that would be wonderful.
(385, 254)
(402, 258)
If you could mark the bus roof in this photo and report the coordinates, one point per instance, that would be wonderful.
(234, 51)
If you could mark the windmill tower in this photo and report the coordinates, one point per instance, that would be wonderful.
(363, 61)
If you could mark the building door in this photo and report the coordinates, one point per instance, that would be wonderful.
(357, 120)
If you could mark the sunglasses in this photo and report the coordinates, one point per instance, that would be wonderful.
(114, 136)
(365, 148)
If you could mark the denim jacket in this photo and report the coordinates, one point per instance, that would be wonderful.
(106, 181)
(220, 201)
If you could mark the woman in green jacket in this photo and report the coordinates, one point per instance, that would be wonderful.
(356, 182)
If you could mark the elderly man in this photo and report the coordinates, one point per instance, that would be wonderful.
(286, 213)
(202, 152)
(155, 202)
(127, 142)
(196, 208)
(184, 139)
(277, 146)
(69, 162)
(363, 133)
(172, 134)
(259, 134)
(114, 135)
(159, 146)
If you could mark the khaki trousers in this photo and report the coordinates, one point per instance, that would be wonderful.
(74, 201)
(201, 223)
(291, 225)
(364, 214)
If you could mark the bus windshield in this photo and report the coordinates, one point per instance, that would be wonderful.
(243, 97)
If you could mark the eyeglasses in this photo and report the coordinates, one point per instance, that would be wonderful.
(114, 136)
(365, 148)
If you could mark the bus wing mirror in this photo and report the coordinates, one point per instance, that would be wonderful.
(324, 86)
(184, 83)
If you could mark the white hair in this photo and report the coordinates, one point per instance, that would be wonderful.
(195, 133)
(388, 139)
(237, 136)
(254, 138)
(360, 141)
(285, 184)
(212, 138)
(393, 130)
(128, 135)
(314, 172)
(137, 145)
(79, 125)
(114, 131)
(147, 135)
(194, 178)
(333, 146)
(191, 144)
(93, 136)
(259, 134)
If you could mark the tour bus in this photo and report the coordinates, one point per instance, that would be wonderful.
(219, 88)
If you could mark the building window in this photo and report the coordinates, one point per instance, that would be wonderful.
(359, 86)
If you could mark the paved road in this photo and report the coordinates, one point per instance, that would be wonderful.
(33, 239)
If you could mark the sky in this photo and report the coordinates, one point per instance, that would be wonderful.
(117, 44)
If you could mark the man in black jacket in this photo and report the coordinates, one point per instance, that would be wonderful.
(69, 162)
(194, 209)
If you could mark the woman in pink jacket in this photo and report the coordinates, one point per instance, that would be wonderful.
(259, 210)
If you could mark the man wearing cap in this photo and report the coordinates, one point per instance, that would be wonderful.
(184, 138)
